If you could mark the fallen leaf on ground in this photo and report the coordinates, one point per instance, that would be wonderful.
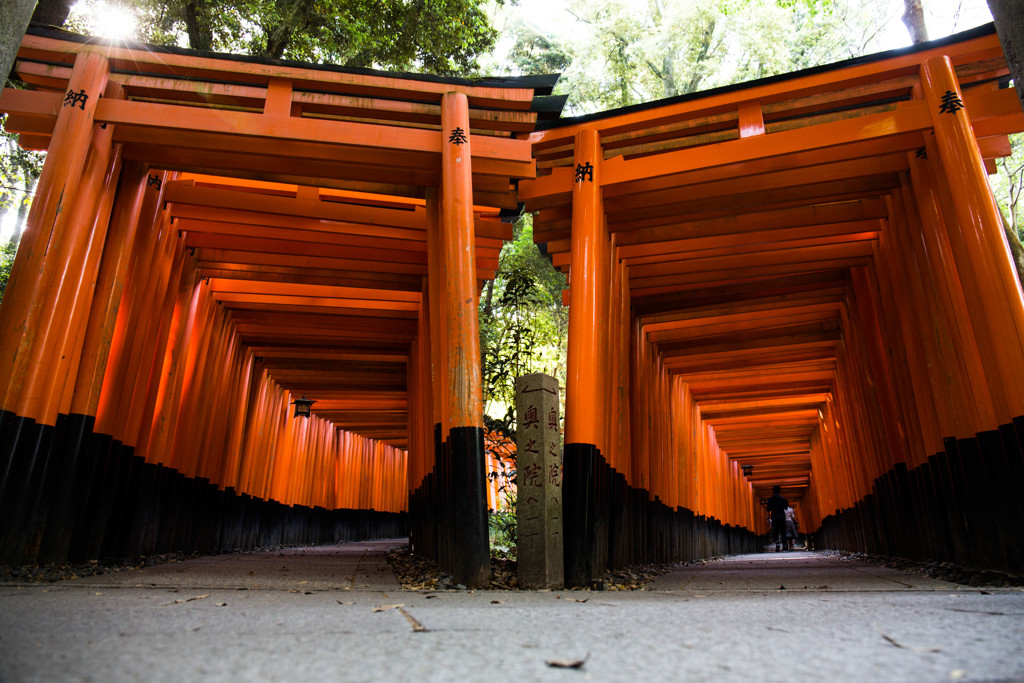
(496, 602)
(912, 648)
(178, 602)
(568, 663)
(384, 608)
(222, 604)
(345, 603)
(572, 599)
(416, 626)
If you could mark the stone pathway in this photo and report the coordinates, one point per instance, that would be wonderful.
(335, 613)
(344, 566)
(795, 570)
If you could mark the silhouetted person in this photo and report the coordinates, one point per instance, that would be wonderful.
(776, 506)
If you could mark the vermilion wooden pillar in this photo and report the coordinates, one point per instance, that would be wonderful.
(584, 379)
(81, 316)
(940, 250)
(471, 558)
(38, 272)
(439, 488)
(49, 275)
(981, 229)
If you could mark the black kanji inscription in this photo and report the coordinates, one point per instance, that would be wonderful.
(72, 98)
(458, 137)
(951, 103)
(584, 171)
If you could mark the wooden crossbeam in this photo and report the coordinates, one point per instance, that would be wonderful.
(226, 70)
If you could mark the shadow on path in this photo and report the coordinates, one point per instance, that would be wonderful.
(797, 570)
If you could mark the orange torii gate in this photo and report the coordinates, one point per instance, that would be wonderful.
(799, 281)
(215, 237)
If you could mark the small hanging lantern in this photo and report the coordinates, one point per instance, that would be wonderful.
(302, 406)
(747, 470)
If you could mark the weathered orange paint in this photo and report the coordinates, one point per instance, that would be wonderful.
(43, 268)
(464, 392)
(109, 287)
(584, 397)
(979, 221)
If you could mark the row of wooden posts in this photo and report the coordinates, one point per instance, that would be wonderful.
(944, 366)
(960, 507)
(135, 419)
(120, 361)
(931, 348)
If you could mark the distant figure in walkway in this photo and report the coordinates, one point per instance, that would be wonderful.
(791, 528)
(776, 506)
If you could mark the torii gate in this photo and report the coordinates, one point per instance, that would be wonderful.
(214, 237)
(800, 281)
(740, 265)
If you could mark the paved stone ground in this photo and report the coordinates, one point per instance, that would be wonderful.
(336, 613)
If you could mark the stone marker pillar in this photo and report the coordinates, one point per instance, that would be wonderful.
(538, 483)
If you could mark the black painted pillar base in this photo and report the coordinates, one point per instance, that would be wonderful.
(579, 529)
(22, 518)
(443, 503)
(67, 493)
(471, 562)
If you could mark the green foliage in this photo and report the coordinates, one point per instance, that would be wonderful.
(536, 53)
(19, 171)
(7, 253)
(1008, 185)
(435, 36)
(502, 527)
(628, 57)
(523, 325)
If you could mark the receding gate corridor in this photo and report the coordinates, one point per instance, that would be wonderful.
(244, 314)
(337, 613)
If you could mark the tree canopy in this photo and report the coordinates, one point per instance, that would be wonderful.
(435, 36)
(629, 53)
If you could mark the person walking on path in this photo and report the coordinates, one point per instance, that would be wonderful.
(791, 528)
(776, 506)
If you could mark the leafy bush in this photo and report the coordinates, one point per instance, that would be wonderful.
(7, 252)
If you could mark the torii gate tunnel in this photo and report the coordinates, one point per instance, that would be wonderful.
(800, 281)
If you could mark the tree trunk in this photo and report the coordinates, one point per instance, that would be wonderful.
(1009, 18)
(52, 12)
(668, 75)
(197, 23)
(295, 15)
(19, 222)
(488, 300)
(913, 17)
(705, 50)
(1016, 248)
(13, 22)
(277, 40)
